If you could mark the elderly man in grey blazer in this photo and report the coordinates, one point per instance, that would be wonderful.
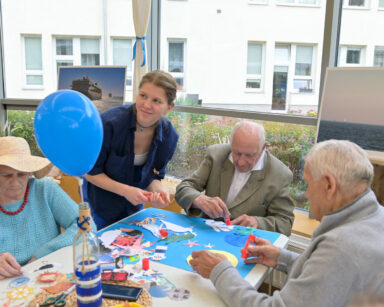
(241, 181)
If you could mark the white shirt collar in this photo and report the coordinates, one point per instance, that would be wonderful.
(257, 167)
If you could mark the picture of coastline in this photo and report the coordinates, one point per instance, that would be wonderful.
(352, 107)
(104, 85)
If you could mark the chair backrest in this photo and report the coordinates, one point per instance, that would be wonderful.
(71, 186)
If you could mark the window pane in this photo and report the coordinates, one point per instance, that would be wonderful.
(303, 60)
(288, 142)
(353, 56)
(34, 80)
(64, 46)
(356, 2)
(176, 57)
(381, 3)
(253, 83)
(33, 57)
(304, 86)
(379, 57)
(282, 53)
(89, 51)
(307, 1)
(255, 53)
(122, 53)
(285, 1)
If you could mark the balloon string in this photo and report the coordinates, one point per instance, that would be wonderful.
(80, 180)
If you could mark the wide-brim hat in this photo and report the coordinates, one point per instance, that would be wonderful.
(15, 153)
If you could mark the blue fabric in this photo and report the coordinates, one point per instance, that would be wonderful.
(116, 161)
(35, 231)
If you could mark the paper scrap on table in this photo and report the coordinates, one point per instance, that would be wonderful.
(108, 237)
(218, 225)
(177, 228)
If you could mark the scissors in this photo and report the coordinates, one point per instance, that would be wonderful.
(58, 301)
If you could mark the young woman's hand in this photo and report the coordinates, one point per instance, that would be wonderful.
(135, 196)
(159, 199)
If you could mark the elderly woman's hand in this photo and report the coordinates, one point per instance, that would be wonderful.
(204, 261)
(9, 266)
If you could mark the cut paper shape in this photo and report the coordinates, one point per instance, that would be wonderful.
(159, 252)
(155, 229)
(108, 237)
(105, 258)
(178, 238)
(47, 277)
(176, 228)
(124, 241)
(20, 293)
(131, 259)
(218, 225)
(179, 294)
(146, 221)
(235, 240)
(231, 258)
(244, 231)
(159, 291)
(59, 287)
(191, 243)
(18, 282)
(131, 231)
(209, 245)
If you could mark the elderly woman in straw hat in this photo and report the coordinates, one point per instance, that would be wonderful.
(32, 210)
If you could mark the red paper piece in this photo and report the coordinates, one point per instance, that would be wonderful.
(145, 264)
(59, 287)
(163, 232)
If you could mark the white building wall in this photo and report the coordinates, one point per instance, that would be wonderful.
(216, 33)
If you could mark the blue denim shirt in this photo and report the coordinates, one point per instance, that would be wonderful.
(116, 160)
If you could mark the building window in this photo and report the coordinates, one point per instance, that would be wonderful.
(351, 56)
(176, 61)
(303, 69)
(355, 3)
(254, 66)
(381, 4)
(122, 55)
(90, 51)
(298, 2)
(379, 56)
(33, 61)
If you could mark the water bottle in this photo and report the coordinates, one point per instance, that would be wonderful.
(86, 261)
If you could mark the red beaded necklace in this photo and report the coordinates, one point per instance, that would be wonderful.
(22, 206)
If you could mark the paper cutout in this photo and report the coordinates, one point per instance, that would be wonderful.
(218, 225)
(235, 240)
(179, 294)
(59, 287)
(18, 282)
(146, 221)
(176, 228)
(108, 237)
(191, 243)
(159, 291)
(178, 238)
(131, 231)
(20, 293)
(209, 245)
(244, 231)
(231, 258)
(159, 252)
(155, 229)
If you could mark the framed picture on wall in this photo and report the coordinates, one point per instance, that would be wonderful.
(352, 106)
(104, 85)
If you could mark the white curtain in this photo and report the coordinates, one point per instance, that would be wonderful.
(141, 11)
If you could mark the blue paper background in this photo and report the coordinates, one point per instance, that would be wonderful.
(177, 252)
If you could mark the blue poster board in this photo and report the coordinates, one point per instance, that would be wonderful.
(178, 252)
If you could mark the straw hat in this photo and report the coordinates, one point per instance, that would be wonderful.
(15, 153)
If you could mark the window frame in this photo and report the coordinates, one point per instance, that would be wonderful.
(129, 73)
(344, 52)
(178, 75)
(260, 76)
(32, 72)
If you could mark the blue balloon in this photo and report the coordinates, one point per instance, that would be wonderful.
(69, 131)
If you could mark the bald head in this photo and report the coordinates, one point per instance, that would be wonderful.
(247, 144)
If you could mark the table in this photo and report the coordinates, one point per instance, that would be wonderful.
(203, 293)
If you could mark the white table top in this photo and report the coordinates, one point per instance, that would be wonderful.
(203, 292)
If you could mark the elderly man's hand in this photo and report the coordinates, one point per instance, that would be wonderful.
(9, 266)
(214, 207)
(204, 261)
(265, 252)
(246, 221)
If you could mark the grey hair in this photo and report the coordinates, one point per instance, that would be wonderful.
(250, 128)
(345, 160)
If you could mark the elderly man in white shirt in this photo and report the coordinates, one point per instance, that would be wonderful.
(241, 180)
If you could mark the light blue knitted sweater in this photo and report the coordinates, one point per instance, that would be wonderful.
(35, 232)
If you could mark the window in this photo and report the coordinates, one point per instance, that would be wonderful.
(122, 55)
(254, 65)
(381, 4)
(176, 61)
(300, 2)
(379, 56)
(33, 62)
(90, 52)
(351, 56)
(303, 69)
(359, 3)
(76, 51)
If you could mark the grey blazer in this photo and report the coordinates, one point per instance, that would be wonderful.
(265, 195)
